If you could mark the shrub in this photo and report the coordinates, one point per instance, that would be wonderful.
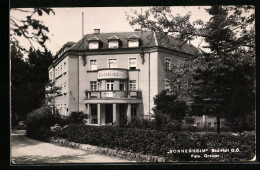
(173, 126)
(74, 117)
(142, 124)
(168, 103)
(161, 119)
(39, 122)
(159, 143)
(77, 117)
(189, 120)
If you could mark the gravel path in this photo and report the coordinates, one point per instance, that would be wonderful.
(28, 151)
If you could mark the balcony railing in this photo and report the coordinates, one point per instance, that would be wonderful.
(113, 94)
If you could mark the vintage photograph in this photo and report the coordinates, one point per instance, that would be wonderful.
(132, 84)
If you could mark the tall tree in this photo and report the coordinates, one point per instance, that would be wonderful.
(226, 86)
(223, 79)
(20, 88)
(28, 80)
(169, 104)
(39, 77)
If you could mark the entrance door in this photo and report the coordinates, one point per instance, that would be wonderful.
(109, 113)
(122, 114)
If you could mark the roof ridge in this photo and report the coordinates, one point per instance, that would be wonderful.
(113, 36)
(94, 38)
(117, 32)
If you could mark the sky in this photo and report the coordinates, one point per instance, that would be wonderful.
(66, 24)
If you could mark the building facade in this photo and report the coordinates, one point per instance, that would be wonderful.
(113, 76)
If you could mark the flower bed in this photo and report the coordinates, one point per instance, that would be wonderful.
(160, 143)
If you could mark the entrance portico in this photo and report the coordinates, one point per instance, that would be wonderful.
(108, 114)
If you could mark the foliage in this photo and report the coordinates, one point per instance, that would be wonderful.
(153, 142)
(189, 120)
(225, 86)
(222, 80)
(77, 117)
(239, 125)
(28, 79)
(173, 126)
(168, 103)
(39, 121)
(161, 119)
(140, 123)
(20, 88)
(30, 27)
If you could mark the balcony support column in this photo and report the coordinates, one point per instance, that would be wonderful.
(89, 114)
(128, 113)
(114, 113)
(98, 113)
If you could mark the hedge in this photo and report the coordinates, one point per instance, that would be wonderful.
(158, 143)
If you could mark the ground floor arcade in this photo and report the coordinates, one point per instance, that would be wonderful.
(110, 113)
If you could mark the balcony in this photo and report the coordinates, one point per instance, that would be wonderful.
(115, 94)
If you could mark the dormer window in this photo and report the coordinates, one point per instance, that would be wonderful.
(93, 43)
(113, 42)
(133, 41)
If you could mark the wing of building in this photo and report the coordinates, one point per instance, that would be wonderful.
(113, 76)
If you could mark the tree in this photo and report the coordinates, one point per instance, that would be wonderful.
(223, 79)
(168, 103)
(20, 88)
(29, 28)
(226, 76)
(51, 92)
(28, 80)
(189, 120)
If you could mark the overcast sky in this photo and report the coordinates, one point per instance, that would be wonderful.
(66, 24)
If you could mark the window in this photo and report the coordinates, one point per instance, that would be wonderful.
(112, 63)
(61, 69)
(61, 109)
(133, 43)
(132, 63)
(122, 85)
(133, 110)
(132, 85)
(56, 73)
(93, 111)
(215, 124)
(65, 109)
(93, 45)
(61, 87)
(99, 85)
(110, 85)
(167, 63)
(93, 85)
(167, 84)
(50, 76)
(65, 69)
(93, 64)
(113, 44)
(65, 89)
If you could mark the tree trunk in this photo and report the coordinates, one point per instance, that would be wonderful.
(218, 124)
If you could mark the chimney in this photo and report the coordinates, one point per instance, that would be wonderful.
(96, 31)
